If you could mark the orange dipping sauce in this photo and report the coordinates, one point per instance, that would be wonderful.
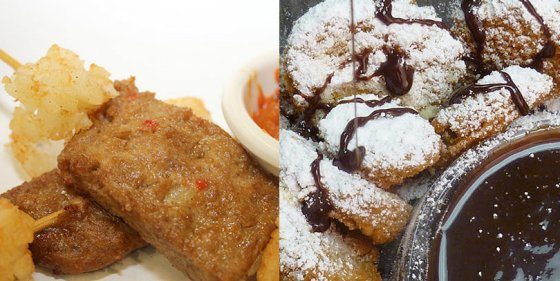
(267, 115)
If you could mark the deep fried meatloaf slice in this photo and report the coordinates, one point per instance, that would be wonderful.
(85, 238)
(183, 183)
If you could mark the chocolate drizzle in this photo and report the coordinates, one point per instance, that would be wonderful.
(479, 36)
(385, 15)
(303, 124)
(477, 32)
(369, 103)
(549, 48)
(351, 160)
(316, 207)
(474, 89)
(397, 74)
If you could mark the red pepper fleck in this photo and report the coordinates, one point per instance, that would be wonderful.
(149, 126)
(132, 96)
(67, 181)
(201, 184)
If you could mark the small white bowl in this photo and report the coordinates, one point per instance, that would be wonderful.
(240, 99)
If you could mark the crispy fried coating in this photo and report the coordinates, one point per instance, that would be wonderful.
(16, 232)
(182, 182)
(483, 115)
(356, 202)
(85, 238)
(513, 36)
(395, 147)
(335, 254)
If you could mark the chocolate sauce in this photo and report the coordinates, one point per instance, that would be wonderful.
(385, 15)
(504, 221)
(316, 207)
(477, 31)
(479, 36)
(474, 89)
(548, 51)
(303, 123)
(397, 74)
(369, 103)
(351, 160)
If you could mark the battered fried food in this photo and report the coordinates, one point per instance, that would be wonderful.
(16, 232)
(329, 255)
(355, 202)
(182, 182)
(318, 57)
(487, 109)
(85, 238)
(397, 143)
(55, 95)
(506, 33)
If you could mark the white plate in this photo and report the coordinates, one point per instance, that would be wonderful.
(174, 48)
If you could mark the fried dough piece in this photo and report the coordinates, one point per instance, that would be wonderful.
(182, 182)
(482, 116)
(329, 255)
(357, 203)
(396, 147)
(513, 35)
(85, 238)
(317, 58)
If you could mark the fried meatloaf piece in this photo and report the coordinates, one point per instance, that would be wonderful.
(181, 181)
(85, 238)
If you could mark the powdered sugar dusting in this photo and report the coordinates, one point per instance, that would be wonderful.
(304, 253)
(319, 46)
(354, 199)
(296, 155)
(508, 9)
(391, 143)
(517, 17)
(467, 117)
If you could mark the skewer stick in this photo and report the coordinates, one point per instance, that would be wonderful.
(46, 221)
(13, 63)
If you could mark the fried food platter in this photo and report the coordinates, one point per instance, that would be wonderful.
(190, 71)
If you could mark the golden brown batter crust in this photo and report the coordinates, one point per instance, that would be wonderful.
(86, 237)
(181, 181)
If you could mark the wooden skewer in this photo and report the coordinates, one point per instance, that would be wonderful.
(46, 221)
(9, 60)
